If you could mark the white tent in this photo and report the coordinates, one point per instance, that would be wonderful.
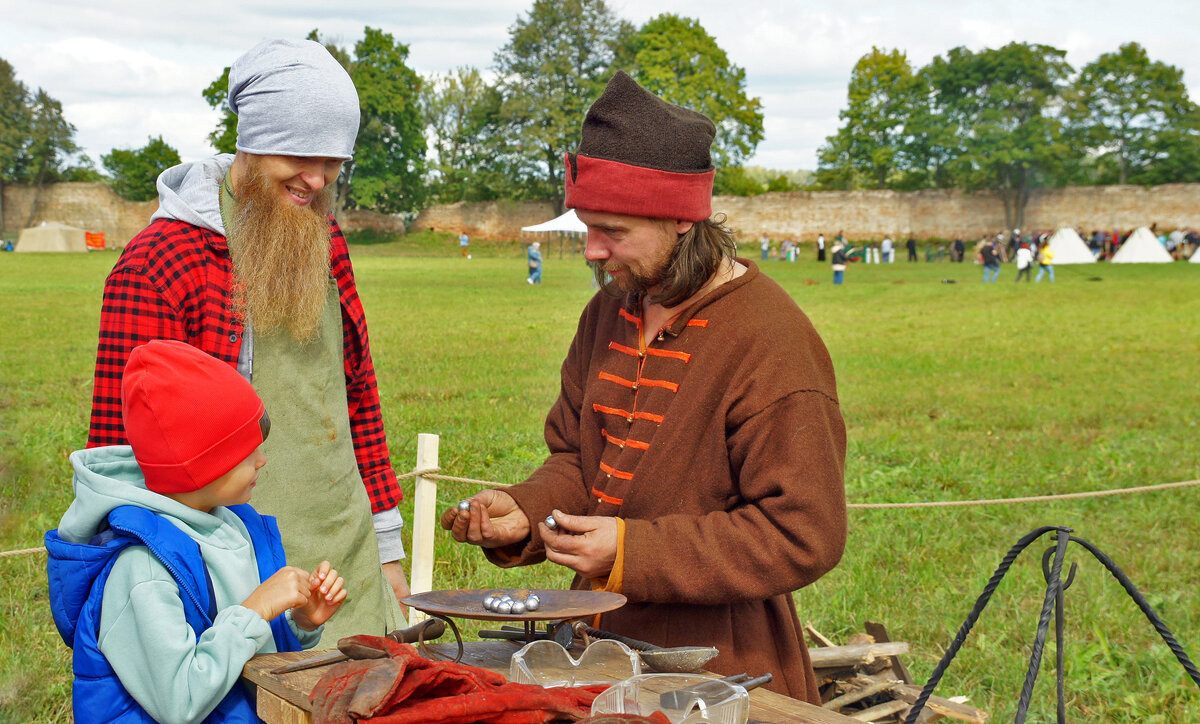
(52, 236)
(567, 222)
(1195, 256)
(1142, 247)
(1068, 248)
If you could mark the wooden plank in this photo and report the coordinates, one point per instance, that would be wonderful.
(881, 635)
(879, 711)
(945, 707)
(766, 707)
(830, 657)
(273, 709)
(871, 689)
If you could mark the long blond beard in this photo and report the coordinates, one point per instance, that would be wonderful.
(280, 255)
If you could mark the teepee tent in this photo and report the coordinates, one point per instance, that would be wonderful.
(1068, 248)
(52, 236)
(1142, 247)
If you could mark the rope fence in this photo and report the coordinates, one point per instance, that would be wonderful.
(432, 473)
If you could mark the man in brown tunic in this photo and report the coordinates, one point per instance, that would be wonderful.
(697, 448)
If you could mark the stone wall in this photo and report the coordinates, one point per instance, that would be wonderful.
(95, 207)
(799, 215)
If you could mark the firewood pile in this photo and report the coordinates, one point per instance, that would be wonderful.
(865, 679)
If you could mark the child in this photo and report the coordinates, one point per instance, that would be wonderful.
(162, 581)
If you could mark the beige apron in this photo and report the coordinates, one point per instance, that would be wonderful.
(311, 482)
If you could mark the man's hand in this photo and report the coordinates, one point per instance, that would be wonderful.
(394, 572)
(493, 520)
(326, 593)
(587, 544)
(287, 588)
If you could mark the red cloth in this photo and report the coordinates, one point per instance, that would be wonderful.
(407, 688)
(173, 282)
(190, 417)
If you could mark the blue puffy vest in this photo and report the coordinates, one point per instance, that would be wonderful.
(78, 573)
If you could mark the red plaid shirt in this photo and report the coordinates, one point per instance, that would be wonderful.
(173, 282)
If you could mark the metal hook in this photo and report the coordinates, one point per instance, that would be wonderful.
(1046, 569)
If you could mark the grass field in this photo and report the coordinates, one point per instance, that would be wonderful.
(951, 391)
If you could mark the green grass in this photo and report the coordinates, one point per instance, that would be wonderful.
(950, 392)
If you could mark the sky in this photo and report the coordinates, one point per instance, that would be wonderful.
(129, 70)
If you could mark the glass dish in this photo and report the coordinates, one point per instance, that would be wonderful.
(547, 664)
(683, 698)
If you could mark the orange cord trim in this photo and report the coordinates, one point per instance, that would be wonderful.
(611, 410)
(668, 353)
(623, 349)
(697, 323)
(647, 382)
(613, 378)
(636, 320)
(648, 416)
(615, 473)
(606, 498)
(627, 442)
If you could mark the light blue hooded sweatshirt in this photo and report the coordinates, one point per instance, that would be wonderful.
(143, 632)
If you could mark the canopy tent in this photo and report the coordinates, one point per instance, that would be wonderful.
(567, 222)
(1068, 248)
(1142, 247)
(52, 236)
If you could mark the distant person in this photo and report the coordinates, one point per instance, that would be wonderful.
(960, 249)
(1045, 261)
(911, 245)
(533, 257)
(839, 262)
(464, 245)
(163, 580)
(885, 248)
(820, 247)
(1024, 262)
(990, 257)
(764, 244)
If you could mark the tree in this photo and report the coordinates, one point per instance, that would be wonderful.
(1133, 113)
(1000, 105)
(135, 172)
(678, 60)
(554, 65)
(386, 172)
(14, 126)
(883, 93)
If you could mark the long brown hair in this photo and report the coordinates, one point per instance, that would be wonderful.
(695, 259)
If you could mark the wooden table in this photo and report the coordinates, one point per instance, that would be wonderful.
(283, 699)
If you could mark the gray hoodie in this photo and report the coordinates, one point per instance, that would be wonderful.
(143, 633)
(191, 192)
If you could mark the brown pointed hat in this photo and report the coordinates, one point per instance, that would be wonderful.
(641, 156)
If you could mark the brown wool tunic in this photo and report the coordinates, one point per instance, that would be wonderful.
(723, 449)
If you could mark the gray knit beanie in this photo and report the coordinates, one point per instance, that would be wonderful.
(292, 98)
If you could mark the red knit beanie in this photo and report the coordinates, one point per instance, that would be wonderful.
(189, 417)
(641, 156)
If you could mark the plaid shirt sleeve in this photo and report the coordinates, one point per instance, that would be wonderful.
(362, 391)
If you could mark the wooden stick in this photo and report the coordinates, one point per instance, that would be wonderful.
(829, 657)
(863, 693)
(879, 711)
(817, 637)
(424, 521)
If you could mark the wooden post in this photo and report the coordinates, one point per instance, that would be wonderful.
(424, 521)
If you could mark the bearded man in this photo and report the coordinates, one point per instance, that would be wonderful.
(697, 447)
(244, 261)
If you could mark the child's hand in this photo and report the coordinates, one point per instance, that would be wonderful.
(288, 588)
(326, 595)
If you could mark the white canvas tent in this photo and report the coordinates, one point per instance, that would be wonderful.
(1195, 256)
(1142, 247)
(52, 236)
(1068, 248)
(567, 222)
